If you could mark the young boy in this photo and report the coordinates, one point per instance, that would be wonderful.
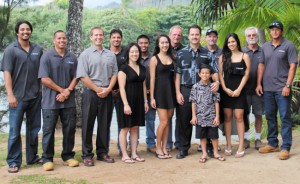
(206, 113)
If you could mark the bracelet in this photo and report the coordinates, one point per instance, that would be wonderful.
(218, 82)
(69, 89)
(145, 101)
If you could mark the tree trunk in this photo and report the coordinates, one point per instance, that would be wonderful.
(74, 35)
(262, 36)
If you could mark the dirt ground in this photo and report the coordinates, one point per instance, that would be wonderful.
(253, 168)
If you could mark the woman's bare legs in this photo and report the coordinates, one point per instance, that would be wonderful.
(239, 119)
(228, 126)
(123, 143)
(162, 130)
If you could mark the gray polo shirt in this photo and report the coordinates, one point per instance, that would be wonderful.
(277, 62)
(255, 58)
(62, 70)
(100, 67)
(23, 67)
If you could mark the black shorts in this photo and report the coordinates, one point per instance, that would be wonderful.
(207, 132)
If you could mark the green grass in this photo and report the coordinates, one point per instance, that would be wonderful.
(40, 179)
(3, 150)
(297, 128)
(3, 137)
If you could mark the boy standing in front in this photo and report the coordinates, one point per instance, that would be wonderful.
(206, 113)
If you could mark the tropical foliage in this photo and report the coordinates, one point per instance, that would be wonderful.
(151, 21)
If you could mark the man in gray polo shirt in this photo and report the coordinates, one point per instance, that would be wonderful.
(58, 75)
(253, 100)
(20, 64)
(277, 72)
(97, 69)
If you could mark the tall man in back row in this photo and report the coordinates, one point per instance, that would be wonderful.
(253, 100)
(277, 72)
(97, 69)
(20, 64)
(188, 63)
(175, 35)
(115, 39)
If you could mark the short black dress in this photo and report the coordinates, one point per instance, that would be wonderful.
(164, 91)
(135, 97)
(232, 81)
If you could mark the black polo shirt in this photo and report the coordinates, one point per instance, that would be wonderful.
(23, 67)
(255, 58)
(120, 60)
(62, 70)
(176, 49)
(145, 62)
(189, 62)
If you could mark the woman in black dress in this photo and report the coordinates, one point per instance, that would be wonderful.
(162, 91)
(131, 79)
(234, 68)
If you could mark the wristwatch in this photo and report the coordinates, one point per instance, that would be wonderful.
(288, 85)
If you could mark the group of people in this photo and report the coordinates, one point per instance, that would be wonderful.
(206, 85)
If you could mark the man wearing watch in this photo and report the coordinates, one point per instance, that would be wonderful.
(277, 72)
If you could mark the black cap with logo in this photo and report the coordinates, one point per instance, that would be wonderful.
(211, 30)
(277, 24)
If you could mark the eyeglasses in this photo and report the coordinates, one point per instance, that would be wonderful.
(251, 35)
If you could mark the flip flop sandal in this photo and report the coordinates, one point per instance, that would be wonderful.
(13, 168)
(128, 161)
(160, 156)
(240, 154)
(220, 158)
(138, 159)
(168, 156)
(202, 160)
(228, 152)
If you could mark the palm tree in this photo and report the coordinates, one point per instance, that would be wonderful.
(259, 13)
(208, 12)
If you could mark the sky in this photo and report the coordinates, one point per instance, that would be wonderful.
(86, 3)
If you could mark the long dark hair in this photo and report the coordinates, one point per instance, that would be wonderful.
(157, 49)
(227, 52)
(127, 49)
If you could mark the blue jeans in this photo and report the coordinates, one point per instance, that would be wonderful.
(274, 101)
(68, 120)
(32, 108)
(150, 126)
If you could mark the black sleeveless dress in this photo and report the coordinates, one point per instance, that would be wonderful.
(232, 81)
(164, 91)
(135, 97)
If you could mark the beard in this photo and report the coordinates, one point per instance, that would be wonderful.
(252, 41)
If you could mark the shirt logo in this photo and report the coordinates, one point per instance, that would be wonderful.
(70, 62)
(34, 54)
(281, 51)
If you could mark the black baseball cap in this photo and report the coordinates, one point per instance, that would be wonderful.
(277, 24)
(211, 30)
